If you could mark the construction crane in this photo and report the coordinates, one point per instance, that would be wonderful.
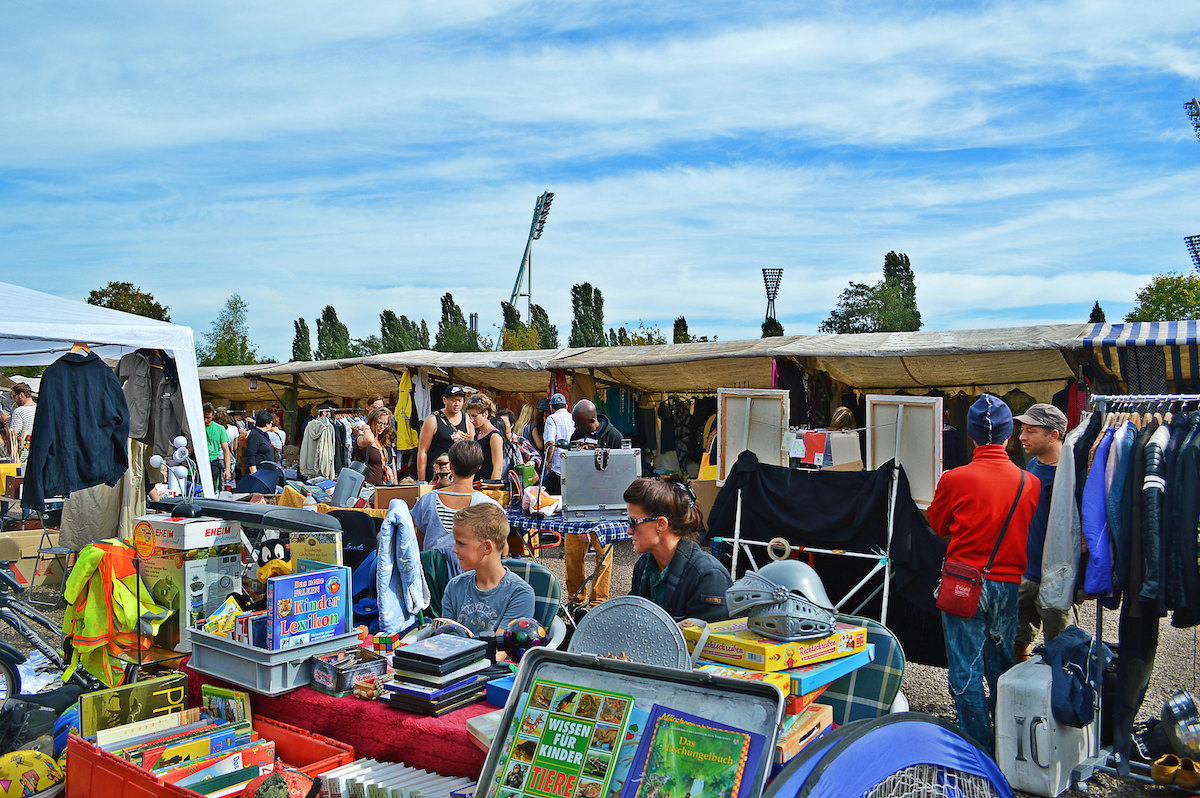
(541, 210)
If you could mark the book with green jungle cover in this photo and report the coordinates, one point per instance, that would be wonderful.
(565, 744)
(685, 756)
(130, 703)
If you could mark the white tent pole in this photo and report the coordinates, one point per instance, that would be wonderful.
(737, 533)
(891, 517)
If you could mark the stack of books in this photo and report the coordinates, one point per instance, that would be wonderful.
(438, 675)
(390, 780)
(210, 755)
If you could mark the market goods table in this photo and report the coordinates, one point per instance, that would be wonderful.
(440, 745)
(607, 531)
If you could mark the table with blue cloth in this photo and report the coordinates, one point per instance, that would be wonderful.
(609, 532)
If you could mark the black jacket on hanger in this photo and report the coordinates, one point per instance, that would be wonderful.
(80, 432)
(1182, 578)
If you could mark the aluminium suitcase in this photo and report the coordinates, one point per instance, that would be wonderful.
(1035, 752)
(594, 483)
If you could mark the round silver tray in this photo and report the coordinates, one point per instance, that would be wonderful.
(634, 628)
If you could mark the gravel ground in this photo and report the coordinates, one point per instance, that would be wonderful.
(924, 686)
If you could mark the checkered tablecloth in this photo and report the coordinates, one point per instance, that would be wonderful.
(607, 531)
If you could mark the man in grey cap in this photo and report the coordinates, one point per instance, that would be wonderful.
(1043, 427)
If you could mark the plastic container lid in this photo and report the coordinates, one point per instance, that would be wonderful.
(633, 628)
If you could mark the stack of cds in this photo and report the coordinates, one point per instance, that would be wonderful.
(438, 675)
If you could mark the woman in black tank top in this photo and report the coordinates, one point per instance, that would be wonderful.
(440, 430)
(480, 409)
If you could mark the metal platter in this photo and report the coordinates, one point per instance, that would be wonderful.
(632, 628)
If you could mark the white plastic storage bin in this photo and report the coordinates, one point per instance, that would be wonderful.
(1034, 751)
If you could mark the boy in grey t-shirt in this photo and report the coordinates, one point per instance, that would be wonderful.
(487, 596)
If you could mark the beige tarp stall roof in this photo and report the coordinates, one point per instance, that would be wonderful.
(510, 372)
(990, 358)
(944, 359)
(319, 379)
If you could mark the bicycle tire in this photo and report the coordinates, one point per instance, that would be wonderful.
(10, 680)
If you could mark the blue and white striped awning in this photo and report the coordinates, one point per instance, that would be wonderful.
(1143, 333)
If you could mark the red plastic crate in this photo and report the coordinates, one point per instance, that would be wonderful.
(92, 772)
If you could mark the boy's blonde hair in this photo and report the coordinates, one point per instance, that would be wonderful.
(486, 522)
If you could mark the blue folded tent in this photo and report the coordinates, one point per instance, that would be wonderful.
(908, 747)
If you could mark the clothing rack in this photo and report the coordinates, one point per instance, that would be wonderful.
(1102, 759)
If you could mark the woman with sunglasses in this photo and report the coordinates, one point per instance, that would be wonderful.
(673, 571)
(480, 409)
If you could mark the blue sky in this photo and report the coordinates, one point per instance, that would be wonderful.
(1029, 158)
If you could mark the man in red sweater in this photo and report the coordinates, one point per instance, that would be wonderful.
(969, 506)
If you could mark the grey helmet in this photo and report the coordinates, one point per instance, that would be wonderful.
(784, 600)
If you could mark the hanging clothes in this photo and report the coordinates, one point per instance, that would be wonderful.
(150, 381)
(80, 431)
(1097, 580)
(406, 433)
(422, 404)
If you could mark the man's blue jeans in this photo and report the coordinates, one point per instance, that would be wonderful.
(981, 648)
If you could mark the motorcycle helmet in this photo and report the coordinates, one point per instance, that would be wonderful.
(784, 600)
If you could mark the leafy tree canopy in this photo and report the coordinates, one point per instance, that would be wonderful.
(887, 306)
(453, 334)
(402, 334)
(547, 333)
(302, 343)
(1097, 314)
(587, 324)
(333, 337)
(1168, 297)
(227, 343)
(771, 328)
(129, 298)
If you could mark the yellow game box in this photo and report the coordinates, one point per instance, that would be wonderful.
(732, 643)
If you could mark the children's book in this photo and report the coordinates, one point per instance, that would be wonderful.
(682, 755)
(109, 739)
(130, 703)
(192, 750)
(627, 749)
(307, 607)
(221, 702)
(565, 744)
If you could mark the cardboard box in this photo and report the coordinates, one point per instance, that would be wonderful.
(797, 734)
(152, 534)
(732, 643)
(410, 494)
(193, 583)
(25, 569)
(706, 491)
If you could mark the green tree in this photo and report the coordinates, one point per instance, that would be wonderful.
(333, 337)
(857, 311)
(453, 334)
(898, 295)
(515, 334)
(547, 333)
(771, 328)
(587, 324)
(302, 343)
(1097, 314)
(228, 341)
(887, 306)
(679, 333)
(402, 334)
(1168, 297)
(129, 298)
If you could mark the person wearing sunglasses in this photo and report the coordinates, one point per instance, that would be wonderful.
(673, 570)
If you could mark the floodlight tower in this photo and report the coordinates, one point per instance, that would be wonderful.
(1193, 245)
(1192, 107)
(541, 211)
(771, 279)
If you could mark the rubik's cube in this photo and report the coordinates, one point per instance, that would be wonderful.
(384, 643)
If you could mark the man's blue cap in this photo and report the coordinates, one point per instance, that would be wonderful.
(558, 400)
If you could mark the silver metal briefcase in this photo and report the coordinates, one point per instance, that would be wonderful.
(594, 482)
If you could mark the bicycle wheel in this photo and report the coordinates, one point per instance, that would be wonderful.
(10, 680)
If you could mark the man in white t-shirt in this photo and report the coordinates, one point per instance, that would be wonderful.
(21, 426)
(559, 427)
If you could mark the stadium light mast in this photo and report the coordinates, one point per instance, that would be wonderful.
(1193, 245)
(541, 211)
(1192, 107)
(771, 279)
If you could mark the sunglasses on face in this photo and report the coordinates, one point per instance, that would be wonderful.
(632, 522)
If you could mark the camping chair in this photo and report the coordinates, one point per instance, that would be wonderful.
(870, 691)
(547, 597)
(51, 553)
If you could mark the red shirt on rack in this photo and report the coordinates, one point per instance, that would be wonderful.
(970, 505)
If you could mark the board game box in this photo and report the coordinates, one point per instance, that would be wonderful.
(732, 643)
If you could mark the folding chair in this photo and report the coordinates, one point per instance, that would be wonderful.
(547, 597)
(870, 691)
(51, 552)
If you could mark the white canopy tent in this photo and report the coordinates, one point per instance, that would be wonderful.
(36, 329)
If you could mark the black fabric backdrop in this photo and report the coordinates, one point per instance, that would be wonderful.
(844, 510)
